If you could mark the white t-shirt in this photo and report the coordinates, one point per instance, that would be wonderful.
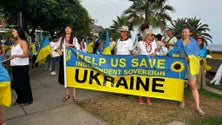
(146, 49)
(124, 47)
(53, 46)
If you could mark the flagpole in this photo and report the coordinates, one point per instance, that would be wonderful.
(64, 62)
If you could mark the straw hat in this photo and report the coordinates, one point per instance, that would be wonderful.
(124, 28)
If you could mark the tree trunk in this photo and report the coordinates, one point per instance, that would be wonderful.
(147, 21)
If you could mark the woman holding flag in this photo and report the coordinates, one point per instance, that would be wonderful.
(67, 40)
(188, 48)
(20, 67)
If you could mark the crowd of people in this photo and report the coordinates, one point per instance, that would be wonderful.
(17, 52)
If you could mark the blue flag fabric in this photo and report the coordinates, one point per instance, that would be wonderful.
(44, 51)
(107, 49)
(99, 39)
(190, 49)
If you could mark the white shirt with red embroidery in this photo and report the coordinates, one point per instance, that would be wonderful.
(144, 48)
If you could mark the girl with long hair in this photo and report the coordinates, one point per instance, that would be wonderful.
(67, 40)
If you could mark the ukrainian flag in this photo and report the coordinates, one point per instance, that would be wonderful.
(5, 88)
(44, 51)
(106, 47)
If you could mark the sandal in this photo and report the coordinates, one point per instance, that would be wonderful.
(75, 99)
(66, 98)
(14, 104)
(182, 105)
(24, 104)
(200, 112)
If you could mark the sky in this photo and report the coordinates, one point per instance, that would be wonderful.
(105, 11)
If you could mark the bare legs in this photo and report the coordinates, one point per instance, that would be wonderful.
(1, 117)
(195, 93)
(67, 97)
(74, 93)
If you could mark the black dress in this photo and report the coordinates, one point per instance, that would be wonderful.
(61, 71)
(21, 83)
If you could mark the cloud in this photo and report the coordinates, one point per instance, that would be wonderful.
(105, 11)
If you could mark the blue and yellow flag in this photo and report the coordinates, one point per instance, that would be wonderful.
(44, 51)
(106, 47)
(5, 89)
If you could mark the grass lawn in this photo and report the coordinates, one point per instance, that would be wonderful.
(117, 110)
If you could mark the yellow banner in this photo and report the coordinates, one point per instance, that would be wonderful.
(157, 87)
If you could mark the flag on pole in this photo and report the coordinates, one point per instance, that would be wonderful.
(99, 39)
(106, 47)
(5, 88)
(135, 42)
(44, 51)
(95, 47)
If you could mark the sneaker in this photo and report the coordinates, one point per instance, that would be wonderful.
(148, 101)
(200, 112)
(140, 100)
(53, 73)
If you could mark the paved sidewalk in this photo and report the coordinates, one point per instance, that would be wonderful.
(48, 107)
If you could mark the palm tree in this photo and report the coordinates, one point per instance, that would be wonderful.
(122, 20)
(149, 13)
(195, 23)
